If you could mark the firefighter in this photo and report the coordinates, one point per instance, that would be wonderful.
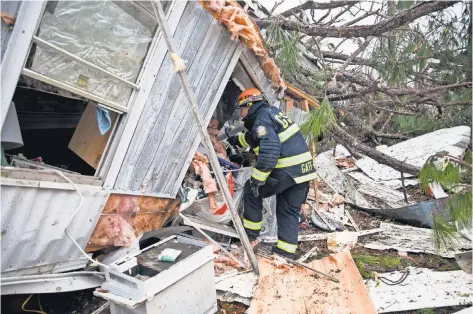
(284, 168)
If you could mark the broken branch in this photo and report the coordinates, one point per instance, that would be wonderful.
(354, 145)
(315, 5)
(396, 21)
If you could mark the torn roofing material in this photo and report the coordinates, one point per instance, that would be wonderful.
(416, 151)
(284, 289)
(412, 239)
(423, 288)
(242, 27)
(328, 171)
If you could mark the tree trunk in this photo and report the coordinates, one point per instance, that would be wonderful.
(354, 144)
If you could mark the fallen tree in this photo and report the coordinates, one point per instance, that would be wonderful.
(408, 74)
(403, 79)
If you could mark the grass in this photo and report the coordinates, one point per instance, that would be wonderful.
(384, 262)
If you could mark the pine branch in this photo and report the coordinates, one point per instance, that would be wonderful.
(315, 5)
(412, 91)
(344, 57)
(456, 103)
(392, 136)
(361, 17)
(367, 129)
(456, 160)
(357, 94)
(354, 144)
(405, 17)
(334, 19)
(278, 3)
(353, 55)
(385, 124)
(404, 113)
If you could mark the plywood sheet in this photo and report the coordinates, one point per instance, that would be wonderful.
(87, 142)
(297, 290)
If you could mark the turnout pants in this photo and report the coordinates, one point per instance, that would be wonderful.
(289, 198)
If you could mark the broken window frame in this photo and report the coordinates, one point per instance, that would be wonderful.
(102, 168)
(108, 104)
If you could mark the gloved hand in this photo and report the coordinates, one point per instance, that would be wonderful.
(255, 185)
(233, 140)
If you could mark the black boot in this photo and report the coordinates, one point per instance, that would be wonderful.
(283, 253)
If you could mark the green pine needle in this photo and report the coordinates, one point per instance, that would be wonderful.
(458, 209)
(287, 54)
(318, 120)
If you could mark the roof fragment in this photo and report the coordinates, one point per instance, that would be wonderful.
(242, 27)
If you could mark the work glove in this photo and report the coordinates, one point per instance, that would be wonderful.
(232, 140)
(255, 185)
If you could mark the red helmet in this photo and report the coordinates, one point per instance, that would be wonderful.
(248, 96)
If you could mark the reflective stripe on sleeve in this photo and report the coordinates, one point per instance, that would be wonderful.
(260, 175)
(242, 140)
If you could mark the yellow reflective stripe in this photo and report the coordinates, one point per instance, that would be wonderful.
(290, 131)
(290, 248)
(293, 160)
(283, 136)
(305, 178)
(252, 225)
(260, 175)
(242, 140)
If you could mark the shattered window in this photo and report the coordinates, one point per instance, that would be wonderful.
(85, 59)
(112, 35)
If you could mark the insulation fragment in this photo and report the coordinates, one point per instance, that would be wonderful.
(242, 27)
(178, 63)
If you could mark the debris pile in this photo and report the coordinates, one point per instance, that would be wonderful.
(385, 220)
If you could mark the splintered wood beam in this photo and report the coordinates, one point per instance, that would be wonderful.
(294, 91)
(304, 104)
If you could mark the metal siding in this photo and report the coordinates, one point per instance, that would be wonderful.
(33, 224)
(166, 135)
